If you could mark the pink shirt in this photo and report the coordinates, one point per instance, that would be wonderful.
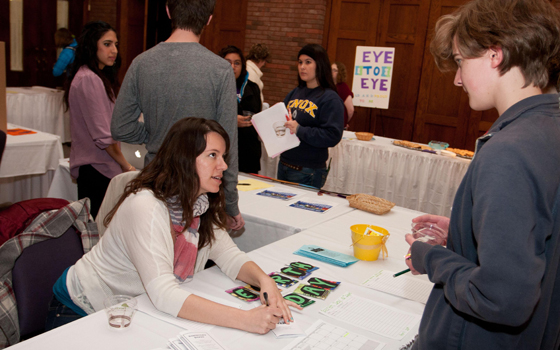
(90, 124)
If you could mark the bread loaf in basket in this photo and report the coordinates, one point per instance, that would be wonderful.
(370, 203)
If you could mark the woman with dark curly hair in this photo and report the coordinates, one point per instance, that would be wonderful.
(91, 89)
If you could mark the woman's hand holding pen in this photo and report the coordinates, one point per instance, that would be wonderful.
(275, 300)
(262, 319)
(291, 124)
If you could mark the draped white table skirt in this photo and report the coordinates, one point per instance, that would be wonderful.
(28, 165)
(39, 108)
(412, 179)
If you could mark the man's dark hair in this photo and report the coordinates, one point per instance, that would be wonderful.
(190, 14)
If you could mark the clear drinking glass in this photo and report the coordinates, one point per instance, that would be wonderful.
(120, 310)
(429, 233)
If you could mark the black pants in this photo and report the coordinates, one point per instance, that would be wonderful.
(92, 184)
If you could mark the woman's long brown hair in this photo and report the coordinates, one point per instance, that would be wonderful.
(173, 172)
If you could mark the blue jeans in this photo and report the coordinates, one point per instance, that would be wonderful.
(59, 315)
(307, 176)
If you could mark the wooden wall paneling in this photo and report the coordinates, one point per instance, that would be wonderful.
(76, 18)
(158, 24)
(440, 104)
(39, 51)
(403, 26)
(5, 34)
(130, 27)
(353, 23)
(443, 111)
(227, 26)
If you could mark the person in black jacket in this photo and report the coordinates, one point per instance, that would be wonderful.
(248, 103)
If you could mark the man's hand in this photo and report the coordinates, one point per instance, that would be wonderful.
(236, 222)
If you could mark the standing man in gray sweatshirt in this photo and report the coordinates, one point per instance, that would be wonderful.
(176, 79)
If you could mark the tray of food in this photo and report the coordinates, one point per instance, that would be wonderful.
(462, 153)
(412, 145)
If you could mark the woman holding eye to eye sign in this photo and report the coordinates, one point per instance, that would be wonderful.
(167, 224)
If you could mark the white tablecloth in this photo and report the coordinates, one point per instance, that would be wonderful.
(149, 333)
(28, 165)
(39, 108)
(62, 185)
(268, 219)
(412, 179)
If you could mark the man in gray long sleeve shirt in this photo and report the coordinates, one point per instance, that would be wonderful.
(176, 79)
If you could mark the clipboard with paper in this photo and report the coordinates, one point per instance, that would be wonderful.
(270, 127)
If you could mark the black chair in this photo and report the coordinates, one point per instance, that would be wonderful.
(34, 274)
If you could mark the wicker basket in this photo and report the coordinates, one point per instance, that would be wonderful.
(364, 136)
(370, 203)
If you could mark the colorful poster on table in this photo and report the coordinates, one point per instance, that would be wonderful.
(373, 70)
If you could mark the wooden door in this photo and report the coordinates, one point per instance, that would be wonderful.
(130, 26)
(352, 23)
(401, 24)
(227, 26)
(39, 51)
(443, 111)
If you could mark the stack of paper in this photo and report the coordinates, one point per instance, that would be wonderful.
(194, 341)
(329, 256)
(291, 330)
(270, 126)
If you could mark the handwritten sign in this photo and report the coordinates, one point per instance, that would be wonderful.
(373, 70)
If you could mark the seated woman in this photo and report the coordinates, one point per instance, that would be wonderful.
(169, 221)
(248, 103)
(317, 119)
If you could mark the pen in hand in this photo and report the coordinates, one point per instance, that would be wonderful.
(265, 295)
(401, 273)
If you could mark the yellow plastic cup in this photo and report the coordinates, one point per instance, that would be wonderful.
(368, 247)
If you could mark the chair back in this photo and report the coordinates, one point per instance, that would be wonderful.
(112, 196)
(34, 274)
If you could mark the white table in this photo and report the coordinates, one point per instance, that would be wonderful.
(62, 185)
(411, 179)
(28, 165)
(39, 108)
(268, 219)
(149, 333)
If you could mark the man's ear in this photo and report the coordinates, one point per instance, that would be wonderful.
(167, 10)
(209, 19)
(496, 56)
